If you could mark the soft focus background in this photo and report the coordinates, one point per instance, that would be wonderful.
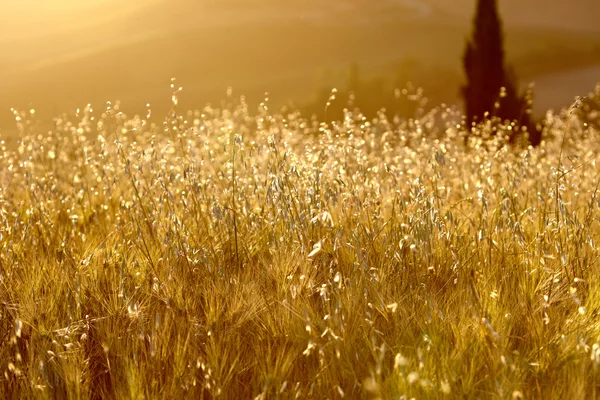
(58, 55)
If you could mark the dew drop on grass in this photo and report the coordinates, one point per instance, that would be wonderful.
(316, 248)
(18, 327)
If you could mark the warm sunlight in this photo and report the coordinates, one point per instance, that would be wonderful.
(53, 5)
(29, 18)
(298, 199)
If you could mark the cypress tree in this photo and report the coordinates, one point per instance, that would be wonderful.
(490, 87)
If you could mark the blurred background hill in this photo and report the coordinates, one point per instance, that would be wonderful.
(57, 55)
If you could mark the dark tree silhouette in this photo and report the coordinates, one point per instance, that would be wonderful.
(490, 88)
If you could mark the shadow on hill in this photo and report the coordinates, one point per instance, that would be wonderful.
(400, 92)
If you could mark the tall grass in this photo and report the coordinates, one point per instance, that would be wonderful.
(224, 253)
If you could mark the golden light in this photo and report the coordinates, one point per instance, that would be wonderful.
(29, 18)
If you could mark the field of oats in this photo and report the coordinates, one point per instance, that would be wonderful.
(247, 254)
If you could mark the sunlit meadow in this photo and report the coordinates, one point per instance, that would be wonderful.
(249, 254)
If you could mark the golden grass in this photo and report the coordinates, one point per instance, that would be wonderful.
(223, 254)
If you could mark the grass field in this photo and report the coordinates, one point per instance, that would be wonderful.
(227, 253)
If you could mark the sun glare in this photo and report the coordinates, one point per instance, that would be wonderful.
(32, 18)
(40, 7)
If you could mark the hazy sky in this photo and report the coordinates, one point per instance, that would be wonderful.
(35, 6)
(30, 18)
(27, 18)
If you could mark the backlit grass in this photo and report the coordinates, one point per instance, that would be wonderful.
(228, 253)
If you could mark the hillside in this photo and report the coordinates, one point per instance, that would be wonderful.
(288, 49)
(576, 15)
